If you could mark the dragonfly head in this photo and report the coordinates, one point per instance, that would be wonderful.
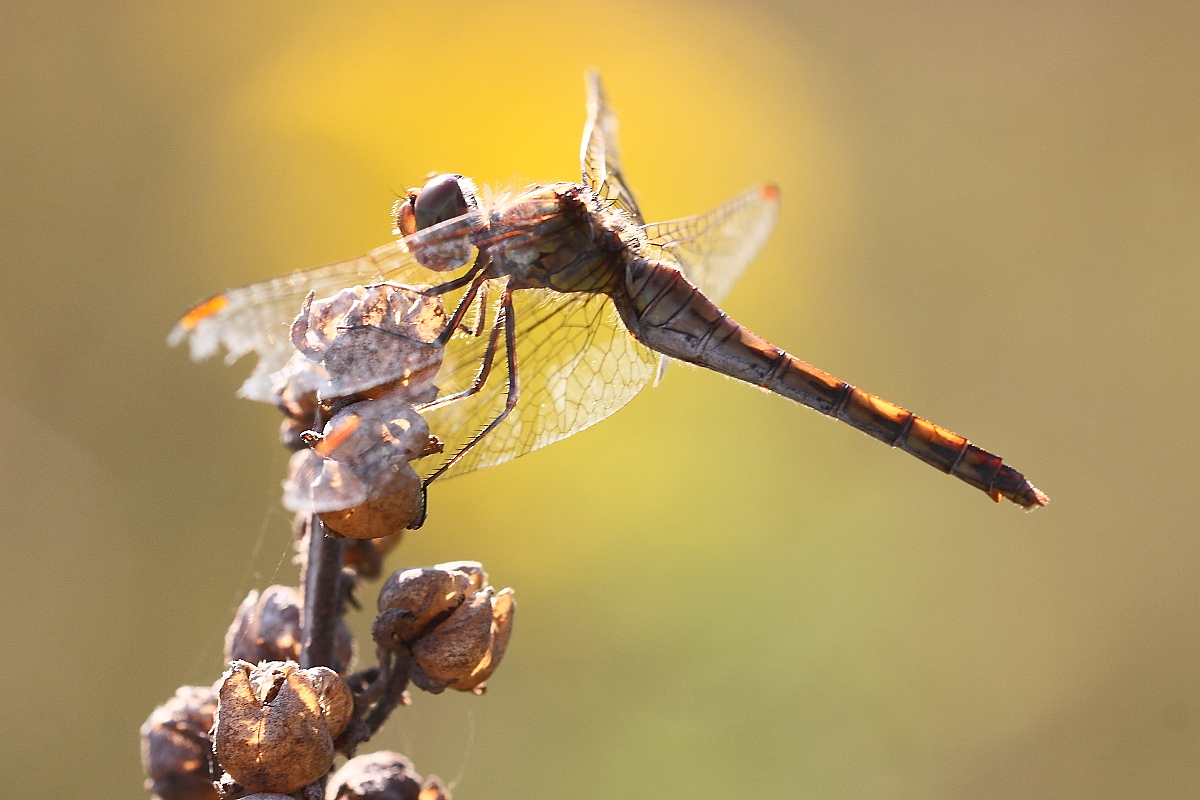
(442, 198)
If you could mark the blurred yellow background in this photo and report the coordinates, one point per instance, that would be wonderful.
(991, 215)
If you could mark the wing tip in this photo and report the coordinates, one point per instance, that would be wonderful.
(769, 192)
(200, 311)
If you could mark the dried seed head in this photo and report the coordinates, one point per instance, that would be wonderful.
(504, 605)
(374, 340)
(453, 649)
(374, 433)
(267, 628)
(362, 456)
(411, 601)
(295, 388)
(401, 505)
(455, 626)
(291, 434)
(176, 745)
(472, 569)
(276, 723)
(376, 776)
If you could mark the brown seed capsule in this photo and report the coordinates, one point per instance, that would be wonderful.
(267, 628)
(504, 605)
(472, 569)
(374, 340)
(400, 506)
(455, 626)
(276, 723)
(376, 776)
(295, 388)
(362, 457)
(176, 745)
(452, 650)
(412, 600)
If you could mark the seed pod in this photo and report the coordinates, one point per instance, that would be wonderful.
(267, 628)
(376, 776)
(472, 569)
(276, 723)
(465, 650)
(400, 505)
(455, 627)
(295, 389)
(412, 600)
(360, 469)
(452, 650)
(504, 605)
(373, 340)
(176, 746)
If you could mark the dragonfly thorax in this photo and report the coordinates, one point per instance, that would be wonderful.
(557, 236)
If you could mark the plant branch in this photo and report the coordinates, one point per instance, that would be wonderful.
(323, 596)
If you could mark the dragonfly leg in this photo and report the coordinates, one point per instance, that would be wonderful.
(481, 263)
(507, 319)
(481, 319)
(460, 311)
(456, 283)
(485, 369)
(452, 325)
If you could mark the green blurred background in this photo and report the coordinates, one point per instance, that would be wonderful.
(990, 216)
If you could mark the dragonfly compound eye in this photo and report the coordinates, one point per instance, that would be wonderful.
(440, 199)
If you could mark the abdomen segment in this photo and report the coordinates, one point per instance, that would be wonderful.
(670, 315)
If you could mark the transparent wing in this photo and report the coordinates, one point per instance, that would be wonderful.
(715, 248)
(600, 154)
(257, 318)
(576, 363)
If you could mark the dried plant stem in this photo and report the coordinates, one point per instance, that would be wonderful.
(322, 595)
(394, 673)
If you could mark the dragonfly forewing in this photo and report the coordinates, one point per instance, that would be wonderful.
(600, 153)
(257, 318)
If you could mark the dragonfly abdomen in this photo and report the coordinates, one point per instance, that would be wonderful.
(933, 444)
(672, 316)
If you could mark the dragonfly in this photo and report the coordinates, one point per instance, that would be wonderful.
(565, 304)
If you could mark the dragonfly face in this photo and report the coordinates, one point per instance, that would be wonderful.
(441, 199)
(567, 304)
(448, 203)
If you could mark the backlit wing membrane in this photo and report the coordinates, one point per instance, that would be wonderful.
(576, 363)
(600, 154)
(257, 318)
(715, 248)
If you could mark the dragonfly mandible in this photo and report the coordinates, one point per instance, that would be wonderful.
(566, 304)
